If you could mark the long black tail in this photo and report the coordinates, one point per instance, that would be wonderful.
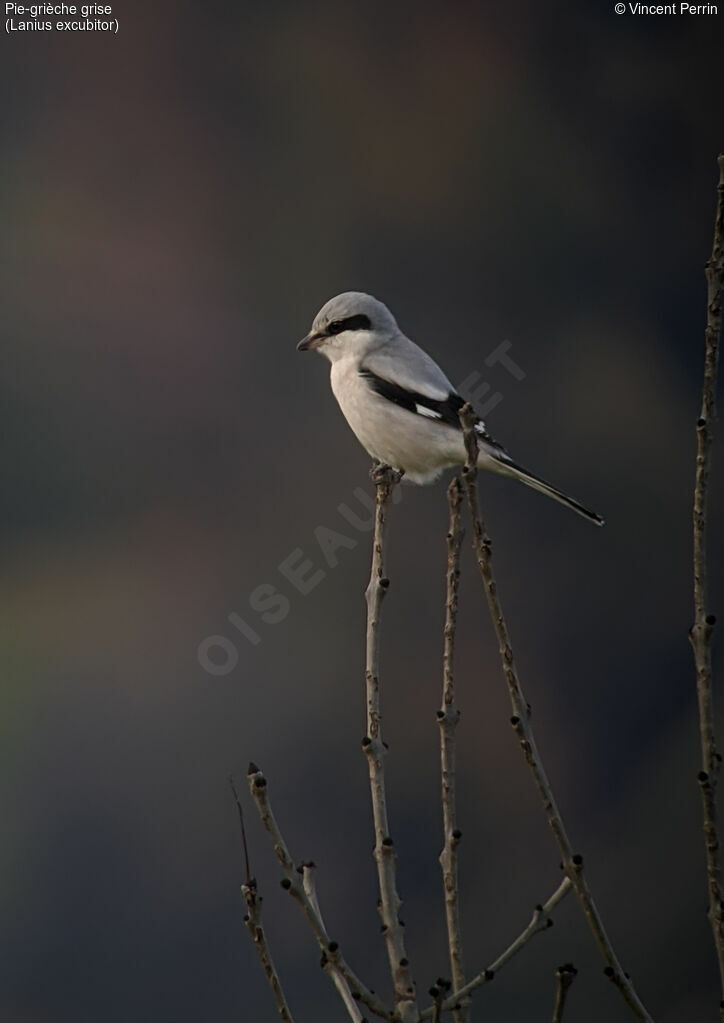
(510, 468)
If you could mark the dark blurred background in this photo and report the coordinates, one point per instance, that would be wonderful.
(178, 200)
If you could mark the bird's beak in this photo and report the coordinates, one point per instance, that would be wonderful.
(310, 342)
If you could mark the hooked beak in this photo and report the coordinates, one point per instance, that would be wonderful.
(310, 342)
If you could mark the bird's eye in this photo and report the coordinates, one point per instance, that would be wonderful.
(358, 322)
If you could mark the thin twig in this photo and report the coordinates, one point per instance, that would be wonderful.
(540, 921)
(565, 975)
(703, 627)
(330, 949)
(239, 807)
(448, 717)
(328, 965)
(252, 919)
(520, 720)
(384, 851)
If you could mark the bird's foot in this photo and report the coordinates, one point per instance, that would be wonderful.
(382, 473)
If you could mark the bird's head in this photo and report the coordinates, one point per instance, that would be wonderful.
(350, 322)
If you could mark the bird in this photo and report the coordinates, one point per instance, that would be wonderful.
(399, 403)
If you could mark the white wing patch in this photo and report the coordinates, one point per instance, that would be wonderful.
(422, 410)
(500, 453)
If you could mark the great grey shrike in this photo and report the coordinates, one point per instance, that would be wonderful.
(397, 400)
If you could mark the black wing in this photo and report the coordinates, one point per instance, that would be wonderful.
(445, 410)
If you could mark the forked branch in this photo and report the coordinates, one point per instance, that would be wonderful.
(540, 921)
(252, 921)
(331, 953)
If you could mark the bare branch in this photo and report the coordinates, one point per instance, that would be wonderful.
(448, 717)
(565, 975)
(384, 852)
(330, 949)
(437, 995)
(328, 965)
(252, 919)
(572, 863)
(540, 921)
(703, 627)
